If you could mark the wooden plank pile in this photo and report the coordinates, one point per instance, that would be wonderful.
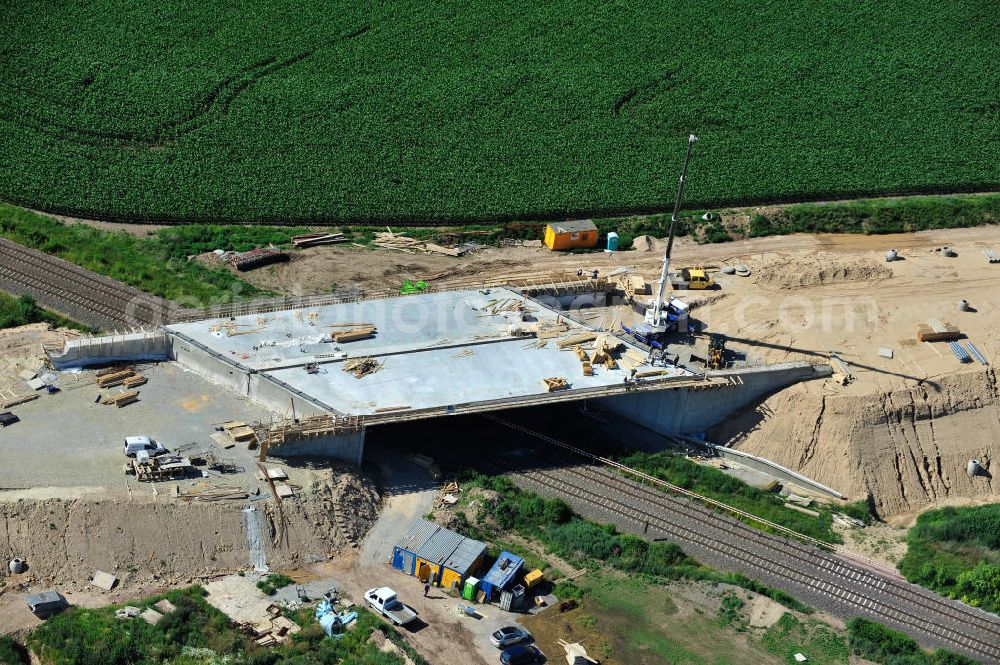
(402, 243)
(115, 378)
(438, 249)
(219, 494)
(256, 258)
(314, 239)
(576, 339)
(362, 367)
(9, 398)
(604, 347)
(588, 369)
(239, 432)
(122, 399)
(351, 332)
(936, 331)
(135, 381)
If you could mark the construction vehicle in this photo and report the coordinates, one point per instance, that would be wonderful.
(410, 288)
(711, 349)
(664, 314)
(692, 279)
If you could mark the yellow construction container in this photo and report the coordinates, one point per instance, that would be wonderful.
(426, 571)
(533, 578)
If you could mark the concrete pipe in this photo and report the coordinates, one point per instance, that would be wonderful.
(891, 256)
(17, 566)
(963, 305)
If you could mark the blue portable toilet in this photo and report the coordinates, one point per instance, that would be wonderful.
(612, 242)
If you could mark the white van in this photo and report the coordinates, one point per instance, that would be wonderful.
(137, 444)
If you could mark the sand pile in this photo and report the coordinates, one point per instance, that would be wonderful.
(170, 541)
(648, 244)
(907, 448)
(792, 273)
(21, 349)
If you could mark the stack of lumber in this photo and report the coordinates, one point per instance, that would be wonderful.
(936, 331)
(633, 358)
(438, 249)
(115, 378)
(362, 367)
(220, 494)
(351, 332)
(239, 431)
(550, 330)
(313, 239)
(498, 306)
(255, 258)
(555, 383)
(9, 399)
(122, 399)
(604, 347)
(134, 381)
(575, 339)
(392, 241)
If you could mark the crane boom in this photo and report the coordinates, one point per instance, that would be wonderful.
(665, 276)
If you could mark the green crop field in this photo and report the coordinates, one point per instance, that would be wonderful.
(406, 110)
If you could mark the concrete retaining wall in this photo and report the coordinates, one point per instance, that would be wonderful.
(131, 347)
(349, 448)
(281, 398)
(211, 366)
(687, 411)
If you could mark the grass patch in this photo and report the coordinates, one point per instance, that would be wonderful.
(956, 551)
(816, 640)
(872, 216)
(196, 634)
(11, 652)
(890, 647)
(586, 544)
(149, 264)
(22, 310)
(712, 483)
(270, 584)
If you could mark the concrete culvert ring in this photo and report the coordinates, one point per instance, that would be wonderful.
(727, 270)
(742, 271)
(17, 566)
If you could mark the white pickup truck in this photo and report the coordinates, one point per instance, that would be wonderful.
(383, 600)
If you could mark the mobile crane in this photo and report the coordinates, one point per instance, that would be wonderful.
(671, 315)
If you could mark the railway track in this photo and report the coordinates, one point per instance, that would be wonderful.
(77, 292)
(844, 587)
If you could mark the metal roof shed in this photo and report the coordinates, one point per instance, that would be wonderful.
(461, 562)
(502, 573)
(405, 552)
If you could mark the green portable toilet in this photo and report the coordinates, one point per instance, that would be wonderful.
(613, 242)
(469, 590)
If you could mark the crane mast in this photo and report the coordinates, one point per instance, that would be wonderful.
(657, 312)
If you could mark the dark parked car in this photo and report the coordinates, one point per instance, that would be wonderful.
(522, 654)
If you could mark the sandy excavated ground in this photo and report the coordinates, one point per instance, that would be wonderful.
(166, 542)
(21, 349)
(905, 428)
